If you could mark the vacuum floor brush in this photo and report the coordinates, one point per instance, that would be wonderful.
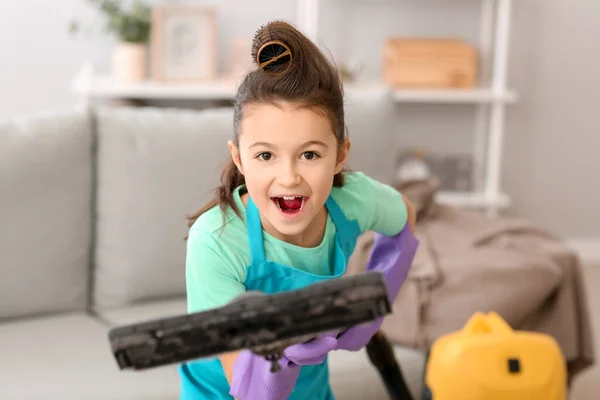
(265, 324)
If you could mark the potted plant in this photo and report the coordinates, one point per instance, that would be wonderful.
(132, 27)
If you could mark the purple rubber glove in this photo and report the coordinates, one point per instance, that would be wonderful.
(392, 256)
(252, 376)
(253, 379)
(312, 352)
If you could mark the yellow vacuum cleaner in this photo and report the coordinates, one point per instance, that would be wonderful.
(488, 360)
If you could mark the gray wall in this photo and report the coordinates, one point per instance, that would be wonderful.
(549, 167)
(553, 143)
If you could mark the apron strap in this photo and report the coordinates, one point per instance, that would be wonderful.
(337, 215)
(255, 236)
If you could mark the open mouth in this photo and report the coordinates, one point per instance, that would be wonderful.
(290, 204)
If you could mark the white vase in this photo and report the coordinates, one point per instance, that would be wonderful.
(130, 62)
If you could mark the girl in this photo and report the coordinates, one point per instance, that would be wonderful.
(286, 216)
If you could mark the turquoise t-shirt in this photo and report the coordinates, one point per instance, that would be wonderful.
(217, 258)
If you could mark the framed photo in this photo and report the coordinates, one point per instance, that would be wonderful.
(184, 43)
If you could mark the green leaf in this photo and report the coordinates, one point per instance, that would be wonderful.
(132, 25)
(73, 28)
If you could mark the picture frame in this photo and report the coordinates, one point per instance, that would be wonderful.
(183, 43)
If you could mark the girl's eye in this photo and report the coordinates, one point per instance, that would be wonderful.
(264, 156)
(310, 155)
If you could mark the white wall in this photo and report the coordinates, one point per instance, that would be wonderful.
(39, 59)
(553, 142)
(551, 166)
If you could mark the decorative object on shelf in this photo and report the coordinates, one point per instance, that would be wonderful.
(132, 27)
(453, 171)
(350, 71)
(130, 62)
(184, 43)
(430, 63)
(412, 165)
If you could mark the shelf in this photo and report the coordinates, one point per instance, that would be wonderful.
(479, 95)
(103, 86)
(109, 88)
(216, 90)
(472, 200)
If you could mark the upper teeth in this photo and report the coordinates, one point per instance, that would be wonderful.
(289, 197)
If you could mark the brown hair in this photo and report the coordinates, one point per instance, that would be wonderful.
(291, 68)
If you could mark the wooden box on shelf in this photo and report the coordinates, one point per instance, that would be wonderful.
(429, 63)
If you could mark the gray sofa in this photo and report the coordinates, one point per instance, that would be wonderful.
(92, 207)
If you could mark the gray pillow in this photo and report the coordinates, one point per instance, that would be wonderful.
(45, 209)
(155, 165)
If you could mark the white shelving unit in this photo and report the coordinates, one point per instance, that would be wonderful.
(490, 99)
(88, 85)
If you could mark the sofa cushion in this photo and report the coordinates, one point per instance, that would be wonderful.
(155, 166)
(45, 213)
(145, 311)
(69, 357)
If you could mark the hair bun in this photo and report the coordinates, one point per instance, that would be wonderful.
(270, 50)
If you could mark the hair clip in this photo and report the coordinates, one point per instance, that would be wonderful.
(274, 57)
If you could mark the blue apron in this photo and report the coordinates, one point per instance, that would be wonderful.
(205, 379)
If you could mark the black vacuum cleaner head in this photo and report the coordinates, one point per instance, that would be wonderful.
(265, 324)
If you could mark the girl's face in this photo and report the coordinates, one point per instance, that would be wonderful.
(288, 156)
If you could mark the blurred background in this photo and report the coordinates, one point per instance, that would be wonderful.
(492, 100)
(548, 160)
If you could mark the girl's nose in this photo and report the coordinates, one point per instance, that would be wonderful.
(288, 176)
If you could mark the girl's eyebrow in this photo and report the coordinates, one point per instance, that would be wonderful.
(256, 144)
(315, 142)
(309, 143)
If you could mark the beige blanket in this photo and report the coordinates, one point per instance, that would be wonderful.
(467, 262)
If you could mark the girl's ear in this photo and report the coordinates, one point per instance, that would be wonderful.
(235, 155)
(342, 155)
